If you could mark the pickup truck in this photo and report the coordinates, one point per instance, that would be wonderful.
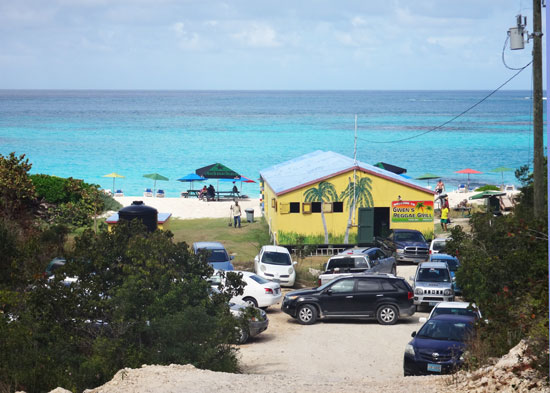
(357, 260)
(409, 245)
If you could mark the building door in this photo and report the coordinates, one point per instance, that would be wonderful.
(365, 231)
(381, 221)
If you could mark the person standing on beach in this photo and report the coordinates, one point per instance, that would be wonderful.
(444, 216)
(439, 187)
(236, 209)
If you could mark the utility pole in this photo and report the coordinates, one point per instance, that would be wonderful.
(538, 129)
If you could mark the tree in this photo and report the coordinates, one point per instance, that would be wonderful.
(356, 194)
(16, 188)
(325, 192)
(139, 298)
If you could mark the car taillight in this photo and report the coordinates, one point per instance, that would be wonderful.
(410, 295)
(269, 290)
(430, 252)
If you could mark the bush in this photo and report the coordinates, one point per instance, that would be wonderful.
(140, 299)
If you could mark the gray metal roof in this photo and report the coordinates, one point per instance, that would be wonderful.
(319, 165)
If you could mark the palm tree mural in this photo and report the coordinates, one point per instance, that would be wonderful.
(363, 198)
(325, 192)
(420, 206)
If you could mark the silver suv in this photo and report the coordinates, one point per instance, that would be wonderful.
(432, 284)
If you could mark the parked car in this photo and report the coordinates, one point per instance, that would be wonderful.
(274, 263)
(453, 263)
(359, 260)
(432, 284)
(454, 308)
(409, 245)
(438, 245)
(438, 346)
(258, 291)
(217, 255)
(256, 324)
(369, 295)
(54, 264)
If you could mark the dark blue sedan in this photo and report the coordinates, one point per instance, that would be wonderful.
(438, 346)
(453, 264)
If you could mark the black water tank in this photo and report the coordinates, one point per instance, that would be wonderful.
(147, 214)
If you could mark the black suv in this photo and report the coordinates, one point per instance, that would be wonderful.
(370, 295)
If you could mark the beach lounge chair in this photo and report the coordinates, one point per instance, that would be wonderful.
(506, 203)
(119, 193)
(160, 193)
(462, 188)
(148, 192)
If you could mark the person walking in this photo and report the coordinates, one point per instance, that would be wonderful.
(444, 216)
(236, 209)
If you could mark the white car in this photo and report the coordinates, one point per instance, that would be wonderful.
(274, 263)
(438, 245)
(258, 291)
(455, 308)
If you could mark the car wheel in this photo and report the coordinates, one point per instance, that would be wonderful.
(307, 314)
(387, 315)
(243, 335)
(250, 301)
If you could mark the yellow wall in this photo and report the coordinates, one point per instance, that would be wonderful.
(383, 192)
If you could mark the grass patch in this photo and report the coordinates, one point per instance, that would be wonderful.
(244, 243)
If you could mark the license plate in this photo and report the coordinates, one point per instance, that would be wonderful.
(434, 367)
(434, 303)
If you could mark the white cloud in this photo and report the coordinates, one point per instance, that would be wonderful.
(358, 21)
(186, 40)
(258, 35)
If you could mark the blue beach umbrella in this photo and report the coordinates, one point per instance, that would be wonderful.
(191, 177)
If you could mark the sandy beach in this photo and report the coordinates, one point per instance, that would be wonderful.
(189, 208)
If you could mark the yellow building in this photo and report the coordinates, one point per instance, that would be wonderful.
(312, 196)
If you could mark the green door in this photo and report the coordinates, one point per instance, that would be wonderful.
(365, 232)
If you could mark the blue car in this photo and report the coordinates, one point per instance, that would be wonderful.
(453, 264)
(217, 255)
(438, 346)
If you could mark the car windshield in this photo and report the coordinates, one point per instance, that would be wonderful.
(445, 330)
(409, 237)
(276, 258)
(258, 279)
(451, 262)
(439, 246)
(218, 255)
(432, 274)
(455, 311)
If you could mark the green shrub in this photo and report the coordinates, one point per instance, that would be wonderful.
(140, 299)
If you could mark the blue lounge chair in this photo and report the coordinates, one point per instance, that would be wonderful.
(148, 192)
(119, 193)
(160, 193)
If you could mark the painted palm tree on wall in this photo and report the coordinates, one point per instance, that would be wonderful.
(325, 192)
(363, 198)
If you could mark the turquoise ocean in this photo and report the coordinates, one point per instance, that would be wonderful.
(87, 134)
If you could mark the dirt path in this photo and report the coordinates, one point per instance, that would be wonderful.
(335, 347)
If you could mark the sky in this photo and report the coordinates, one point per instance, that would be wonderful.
(260, 44)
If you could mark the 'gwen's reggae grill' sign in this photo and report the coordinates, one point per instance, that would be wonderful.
(412, 211)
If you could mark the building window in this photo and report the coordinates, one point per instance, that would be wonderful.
(338, 207)
(306, 207)
(274, 203)
(284, 208)
(294, 207)
(327, 207)
(316, 207)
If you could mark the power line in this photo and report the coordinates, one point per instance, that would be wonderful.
(457, 116)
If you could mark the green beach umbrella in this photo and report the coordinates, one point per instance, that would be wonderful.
(487, 194)
(114, 175)
(428, 177)
(155, 177)
(502, 169)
